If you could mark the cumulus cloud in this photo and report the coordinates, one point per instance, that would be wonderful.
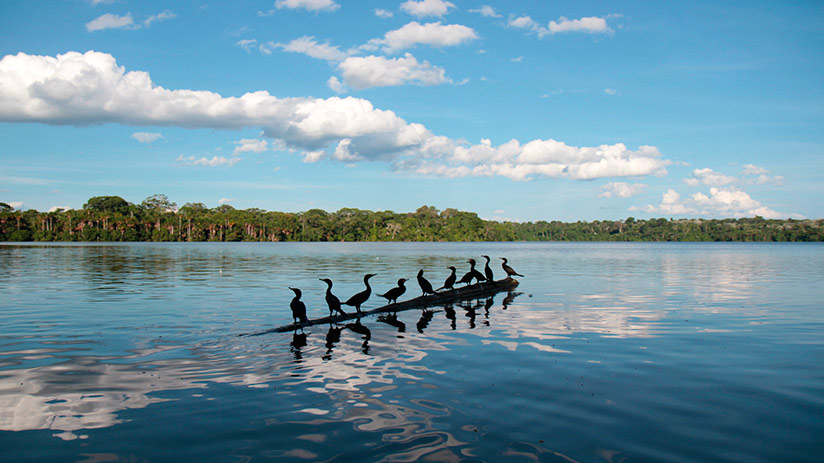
(251, 145)
(546, 158)
(708, 177)
(222, 201)
(432, 34)
(751, 174)
(381, 13)
(309, 5)
(113, 21)
(162, 16)
(621, 189)
(59, 208)
(90, 88)
(16, 204)
(590, 24)
(487, 11)
(721, 202)
(424, 8)
(146, 137)
(203, 161)
(110, 21)
(246, 44)
(378, 71)
(308, 46)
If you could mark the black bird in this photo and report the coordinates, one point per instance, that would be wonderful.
(426, 286)
(509, 271)
(362, 296)
(472, 274)
(331, 300)
(487, 270)
(396, 292)
(450, 280)
(298, 307)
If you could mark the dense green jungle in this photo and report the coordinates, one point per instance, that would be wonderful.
(112, 218)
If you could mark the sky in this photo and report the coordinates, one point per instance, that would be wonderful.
(516, 110)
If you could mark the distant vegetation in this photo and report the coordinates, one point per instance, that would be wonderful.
(112, 218)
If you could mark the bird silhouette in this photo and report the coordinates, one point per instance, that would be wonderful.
(472, 274)
(450, 280)
(393, 294)
(331, 300)
(488, 271)
(426, 286)
(362, 296)
(509, 271)
(298, 307)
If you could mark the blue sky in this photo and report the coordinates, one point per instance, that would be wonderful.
(517, 110)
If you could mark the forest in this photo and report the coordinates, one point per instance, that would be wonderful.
(112, 218)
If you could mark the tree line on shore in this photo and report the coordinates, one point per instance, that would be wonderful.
(112, 218)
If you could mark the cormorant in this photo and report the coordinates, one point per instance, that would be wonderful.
(450, 280)
(331, 300)
(487, 270)
(426, 286)
(298, 307)
(362, 296)
(509, 271)
(472, 274)
(396, 292)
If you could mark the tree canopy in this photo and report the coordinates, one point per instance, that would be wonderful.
(112, 218)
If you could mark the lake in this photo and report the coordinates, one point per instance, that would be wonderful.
(606, 352)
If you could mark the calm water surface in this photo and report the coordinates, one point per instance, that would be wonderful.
(606, 353)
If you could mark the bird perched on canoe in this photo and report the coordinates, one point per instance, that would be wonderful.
(393, 294)
(362, 296)
(487, 270)
(426, 286)
(331, 300)
(298, 307)
(472, 274)
(450, 280)
(509, 271)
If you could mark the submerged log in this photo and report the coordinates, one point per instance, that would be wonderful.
(476, 291)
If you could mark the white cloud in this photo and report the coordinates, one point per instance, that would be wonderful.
(246, 44)
(381, 13)
(162, 16)
(752, 169)
(424, 8)
(58, 208)
(250, 145)
(537, 158)
(110, 21)
(432, 34)
(590, 24)
(721, 202)
(309, 5)
(487, 11)
(621, 189)
(708, 177)
(146, 137)
(378, 71)
(517, 59)
(222, 201)
(203, 161)
(336, 85)
(16, 204)
(308, 46)
(90, 88)
(101, 2)
(610, 91)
